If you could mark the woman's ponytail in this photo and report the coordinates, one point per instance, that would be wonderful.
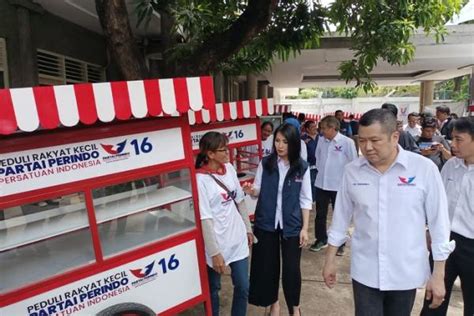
(200, 160)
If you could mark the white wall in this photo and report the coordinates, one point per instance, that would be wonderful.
(405, 105)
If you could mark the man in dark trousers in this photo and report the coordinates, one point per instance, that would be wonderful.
(406, 140)
(333, 152)
(389, 195)
(311, 139)
(458, 178)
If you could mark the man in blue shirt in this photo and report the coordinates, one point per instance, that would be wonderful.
(345, 127)
(311, 140)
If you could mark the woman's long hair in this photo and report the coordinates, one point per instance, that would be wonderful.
(209, 142)
(294, 146)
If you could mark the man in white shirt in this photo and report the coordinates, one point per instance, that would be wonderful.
(458, 179)
(389, 194)
(413, 127)
(333, 152)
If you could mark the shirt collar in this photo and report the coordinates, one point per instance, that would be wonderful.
(205, 169)
(336, 138)
(460, 163)
(402, 157)
(282, 162)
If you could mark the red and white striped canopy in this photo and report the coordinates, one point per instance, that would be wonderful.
(309, 116)
(231, 111)
(282, 108)
(357, 116)
(28, 109)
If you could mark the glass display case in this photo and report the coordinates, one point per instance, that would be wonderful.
(128, 215)
(138, 212)
(32, 236)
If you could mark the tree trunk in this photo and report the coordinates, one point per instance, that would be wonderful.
(218, 48)
(113, 17)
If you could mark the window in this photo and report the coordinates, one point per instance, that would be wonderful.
(42, 239)
(135, 213)
(3, 64)
(58, 69)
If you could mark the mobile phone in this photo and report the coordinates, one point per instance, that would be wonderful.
(425, 145)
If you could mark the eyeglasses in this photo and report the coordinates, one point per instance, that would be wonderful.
(226, 149)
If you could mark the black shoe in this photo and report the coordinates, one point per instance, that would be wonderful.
(340, 251)
(318, 245)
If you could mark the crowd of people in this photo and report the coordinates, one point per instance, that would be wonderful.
(408, 194)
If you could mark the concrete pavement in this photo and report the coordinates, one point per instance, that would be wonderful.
(316, 298)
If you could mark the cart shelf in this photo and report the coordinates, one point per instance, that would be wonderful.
(65, 219)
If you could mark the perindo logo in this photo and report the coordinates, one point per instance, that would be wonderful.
(114, 149)
(115, 152)
(406, 181)
(144, 275)
(338, 148)
(226, 198)
(141, 273)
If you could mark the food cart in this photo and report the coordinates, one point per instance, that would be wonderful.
(240, 122)
(98, 199)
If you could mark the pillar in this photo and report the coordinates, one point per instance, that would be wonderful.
(426, 94)
(471, 93)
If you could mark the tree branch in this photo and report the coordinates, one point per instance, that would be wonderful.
(222, 45)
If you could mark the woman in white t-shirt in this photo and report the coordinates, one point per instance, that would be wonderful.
(267, 138)
(226, 227)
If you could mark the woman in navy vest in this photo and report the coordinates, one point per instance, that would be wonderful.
(283, 187)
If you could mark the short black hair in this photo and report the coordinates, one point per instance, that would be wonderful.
(308, 123)
(301, 117)
(384, 117)
(267, 123)
(391, 107)
(425, 116)
(413, 114)
(338, 111)
(443, 109)
(464, 125)
(429, 122)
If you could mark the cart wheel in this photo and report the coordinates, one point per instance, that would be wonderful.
(127, 309)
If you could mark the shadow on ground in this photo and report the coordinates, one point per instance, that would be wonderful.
(316, 298)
